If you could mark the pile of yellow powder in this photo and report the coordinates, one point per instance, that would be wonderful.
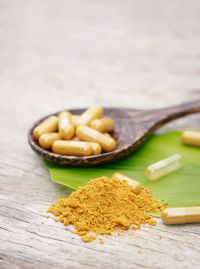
(105, 205)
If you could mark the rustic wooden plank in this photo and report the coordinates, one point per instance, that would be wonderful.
(71, 54)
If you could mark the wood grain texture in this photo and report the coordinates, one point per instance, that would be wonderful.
(72, 54)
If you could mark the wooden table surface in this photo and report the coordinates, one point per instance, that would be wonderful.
(67, 54)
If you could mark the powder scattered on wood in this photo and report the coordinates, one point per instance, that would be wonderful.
(79, 233)
(101, 241)
(105, 205)
(88, 238)
(152, 222)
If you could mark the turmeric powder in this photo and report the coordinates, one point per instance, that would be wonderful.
(104, 205)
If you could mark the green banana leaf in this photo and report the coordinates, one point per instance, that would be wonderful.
(179, 188)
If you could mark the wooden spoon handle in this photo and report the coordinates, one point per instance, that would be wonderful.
(153, 119)
(174, 112)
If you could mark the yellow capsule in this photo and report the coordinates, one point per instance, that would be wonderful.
(96, 148)
(75, 138)
(180, 215)
(49, 125)
(191, 138)
(94, 112)
(164, 167)
(88, 134)
(46, 140)
(103, 125)
(65, 125)
(108, 135)
(75, 118)
(136, 186)
(72, 148)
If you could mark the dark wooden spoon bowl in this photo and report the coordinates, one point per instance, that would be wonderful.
(132, 129)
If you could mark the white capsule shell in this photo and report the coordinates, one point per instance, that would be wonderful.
(164, 167)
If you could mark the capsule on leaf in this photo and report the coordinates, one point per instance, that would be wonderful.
(164, 167)
(191, 138)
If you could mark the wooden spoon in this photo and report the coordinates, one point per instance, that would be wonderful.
(132, 128)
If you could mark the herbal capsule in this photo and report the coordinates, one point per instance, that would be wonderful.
(108, 135)
(164, 167)
(94, 112)
(72, 148)
(88, 134)
(75, 138)
(191, 138)
(136, 186)
(179, 215)
(46, 140)
(49, 125)
(96, 148)
(75, 118)
(65, 125)
(103, 125)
